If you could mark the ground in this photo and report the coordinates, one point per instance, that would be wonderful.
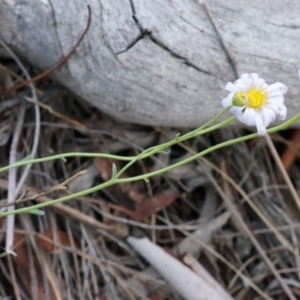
(233, 210)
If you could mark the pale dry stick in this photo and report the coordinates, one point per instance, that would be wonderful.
(226, 262)
(283, 171)
(187, 245)
(186, 282)
(205, 275)
(252, 238)
(12, 178)
(10, 220)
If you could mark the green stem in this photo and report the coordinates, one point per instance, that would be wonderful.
(199, 131)
(144, 154)
(63, 157)
(143, 177)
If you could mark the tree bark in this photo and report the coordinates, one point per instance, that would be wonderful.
(157, 62)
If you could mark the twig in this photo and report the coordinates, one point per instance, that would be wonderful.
(283, 171)
(183, 279)
(206, 276)
(12, 177)
(57, 114)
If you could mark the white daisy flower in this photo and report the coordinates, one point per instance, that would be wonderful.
(256, 103)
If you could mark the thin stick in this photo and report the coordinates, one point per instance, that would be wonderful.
(12, 178)
(283, 171)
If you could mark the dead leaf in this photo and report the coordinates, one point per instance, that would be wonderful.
(153, 205)
(104, 166)
(289, 155)
(62, 236)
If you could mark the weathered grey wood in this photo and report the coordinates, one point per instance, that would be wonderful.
(164, 66)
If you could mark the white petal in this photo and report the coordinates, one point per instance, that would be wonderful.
(227, 101)
(277, 86)
(257, 81)
(241, 85)
(275, 100)
(237, 111)
(282, 112)
(274, 107)
(268, 115)
(260, 83)
(248, 117)
(275, 94)
(247, 80)
(255, 78)
(261, 128)
(230, 87)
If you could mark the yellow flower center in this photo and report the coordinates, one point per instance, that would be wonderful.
(256, 98)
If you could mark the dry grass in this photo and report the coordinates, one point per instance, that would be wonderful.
(78, 250)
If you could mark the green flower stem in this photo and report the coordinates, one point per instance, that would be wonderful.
(146, 176)
(199, 131)
(219, 115)
(142, 155)
(63, 156)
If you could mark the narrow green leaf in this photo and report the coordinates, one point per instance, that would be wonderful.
(166, 152)
(37, 212)
(114, 171)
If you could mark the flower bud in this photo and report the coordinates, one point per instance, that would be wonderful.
(240, 99)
